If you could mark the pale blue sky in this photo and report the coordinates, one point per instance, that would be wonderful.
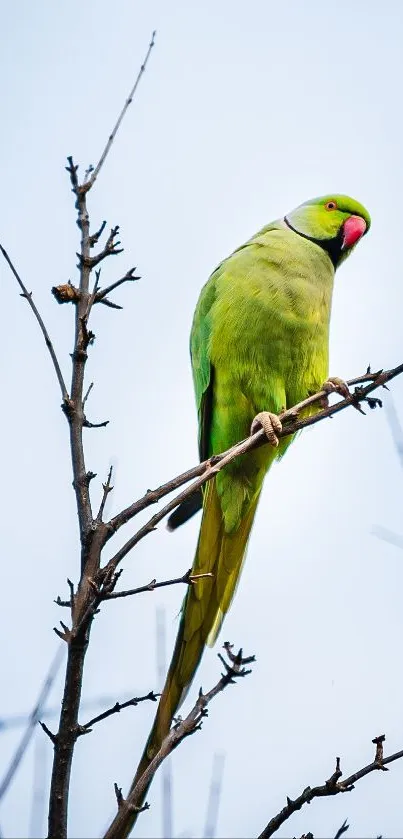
(246, 110)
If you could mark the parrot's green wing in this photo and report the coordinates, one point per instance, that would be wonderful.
(203, 377)
(203, 372)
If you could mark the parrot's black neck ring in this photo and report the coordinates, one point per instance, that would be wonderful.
(331, 246)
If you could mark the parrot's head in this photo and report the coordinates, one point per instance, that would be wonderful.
(335, 222)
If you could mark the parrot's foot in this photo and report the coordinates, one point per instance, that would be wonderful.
(271, 426)
(334, 385)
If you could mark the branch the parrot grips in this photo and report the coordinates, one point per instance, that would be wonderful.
(334, 385)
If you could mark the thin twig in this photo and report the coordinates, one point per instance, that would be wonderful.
(210, 468)
(128, 278)
(106, 302)
(89, 389)
(129, 808)
(332, 787)
(28, 297)
(117, 708)
(88, 424)
(188, 579)
(107, 488)
(94, 239)
(115, 130)
(342, 829)
(44, 727)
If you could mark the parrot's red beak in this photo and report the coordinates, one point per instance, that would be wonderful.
(353, 229)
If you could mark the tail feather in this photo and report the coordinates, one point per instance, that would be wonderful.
(231, 561)
(204, 608)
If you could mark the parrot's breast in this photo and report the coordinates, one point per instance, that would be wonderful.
(266, 323)
(270, 320)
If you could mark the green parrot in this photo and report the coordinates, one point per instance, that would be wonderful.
(259, 344)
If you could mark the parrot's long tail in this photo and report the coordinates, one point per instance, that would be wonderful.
(204, 608)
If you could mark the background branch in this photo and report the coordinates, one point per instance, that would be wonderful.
(32, 722)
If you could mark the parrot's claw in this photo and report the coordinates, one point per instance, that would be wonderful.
(271, 426)
(334, 385)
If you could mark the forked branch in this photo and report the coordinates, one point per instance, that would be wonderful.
(187, 579)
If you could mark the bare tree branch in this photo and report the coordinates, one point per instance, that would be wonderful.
(94, 239)
(68, 293)
(52, 737)
(342, 829)
(128, 278)
(115, 130)
(88, 424)
(90, 536)
(116, 709)
(210, 468)
(107, 488)
(332, 787)
(88, 391)
(28, 297)
(188, 579)
(128, 808)
(111, 249)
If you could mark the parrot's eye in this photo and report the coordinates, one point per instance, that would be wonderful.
(331, 205)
